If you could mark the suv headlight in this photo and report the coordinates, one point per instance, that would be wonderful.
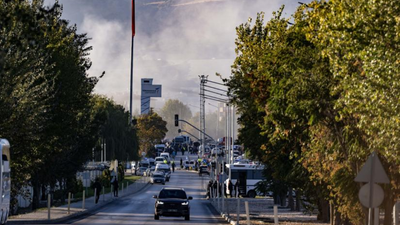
(185, 203)
(160, 202)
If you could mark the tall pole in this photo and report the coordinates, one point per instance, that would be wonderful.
(203, 80)
(131, 80)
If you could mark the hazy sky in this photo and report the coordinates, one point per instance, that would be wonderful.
(175, 41)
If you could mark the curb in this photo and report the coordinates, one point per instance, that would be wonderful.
(74, 215)
(225, 216)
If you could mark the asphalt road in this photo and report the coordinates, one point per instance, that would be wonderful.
(139, 208)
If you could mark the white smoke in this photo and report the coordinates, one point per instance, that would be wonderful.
(176, 40)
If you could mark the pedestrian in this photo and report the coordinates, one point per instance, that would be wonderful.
(97, 188)
(209, 186)
(215, 188)
(115, 186)
(181, 164)
(183, 149)
(225, 192)
(237, 184)
(173, 166)
(230, 187)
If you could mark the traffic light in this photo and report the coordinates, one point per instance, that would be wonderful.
(179, 130)
(176, 120)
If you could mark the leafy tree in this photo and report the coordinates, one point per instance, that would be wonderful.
(25, 87)
(120, 137)
(168, 111)
(151, 131)
(324, 104)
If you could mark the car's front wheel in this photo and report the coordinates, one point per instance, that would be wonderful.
(187, 217)
(156, 217)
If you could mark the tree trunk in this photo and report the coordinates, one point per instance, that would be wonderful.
(323, 210)
(339, 220)
(43, 196)
(36, 193)
(298, 200)
(277, 200)
(283, 199)
(63, 191)
(290, 199)
(388, 205)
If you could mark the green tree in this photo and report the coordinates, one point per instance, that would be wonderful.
(116, 133)
(168, 111)
(151, 131)
(25, 87)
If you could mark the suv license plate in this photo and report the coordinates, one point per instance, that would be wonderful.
(172, 210)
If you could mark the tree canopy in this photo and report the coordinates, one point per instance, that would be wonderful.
(319, 94)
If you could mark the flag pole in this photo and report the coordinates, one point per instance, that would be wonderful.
(133, 41)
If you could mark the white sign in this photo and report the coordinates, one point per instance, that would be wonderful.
(151, 90)
(372, 171)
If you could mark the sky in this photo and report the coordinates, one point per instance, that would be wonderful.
(175, 42)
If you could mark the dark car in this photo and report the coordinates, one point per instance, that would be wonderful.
(157, 178)
(172, 202)
(203, 169)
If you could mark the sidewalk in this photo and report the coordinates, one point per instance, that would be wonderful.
(60, 214)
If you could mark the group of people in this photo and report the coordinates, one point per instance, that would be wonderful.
(97, 187)
(212, 189)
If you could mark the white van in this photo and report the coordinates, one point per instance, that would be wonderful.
(159, 159)
(165, 155)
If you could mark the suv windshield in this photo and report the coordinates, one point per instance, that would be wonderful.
(172, 194)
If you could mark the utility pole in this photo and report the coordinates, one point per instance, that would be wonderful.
(203, 81)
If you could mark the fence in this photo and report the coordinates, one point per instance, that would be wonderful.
(260, 210)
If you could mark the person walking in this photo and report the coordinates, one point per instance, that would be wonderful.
(97, 189)
(181, 164)
(183, 149)
(173, 166)
(230, 187)
(209, 186)
(215, 188)
(237, 188)
(115, 186)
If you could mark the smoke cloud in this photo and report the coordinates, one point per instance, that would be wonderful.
(176, 40)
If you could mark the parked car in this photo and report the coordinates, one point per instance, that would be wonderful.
(157, 178)
(149, 171)
(141, 171)
(172, 202)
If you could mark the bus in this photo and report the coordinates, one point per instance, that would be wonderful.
(248, 175)
(5, 180)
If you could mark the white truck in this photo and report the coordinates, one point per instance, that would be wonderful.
(5, 180)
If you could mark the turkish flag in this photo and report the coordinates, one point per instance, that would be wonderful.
(133, 18)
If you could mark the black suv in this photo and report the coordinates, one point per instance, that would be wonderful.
(172, 202)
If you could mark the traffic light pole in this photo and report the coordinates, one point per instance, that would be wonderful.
(197, 129)
(188, 133)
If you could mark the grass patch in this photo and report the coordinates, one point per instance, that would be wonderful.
(128, 179)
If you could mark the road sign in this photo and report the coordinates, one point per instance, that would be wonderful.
(151, 90)
(377, 195)
(372, 171)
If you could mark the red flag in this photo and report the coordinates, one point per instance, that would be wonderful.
(133, 18)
